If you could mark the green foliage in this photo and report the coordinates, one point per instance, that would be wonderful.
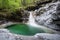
(9, 4)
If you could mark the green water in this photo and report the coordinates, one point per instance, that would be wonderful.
(24, 29)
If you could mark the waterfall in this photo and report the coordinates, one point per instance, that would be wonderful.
(45, 18)
(49, 9)
(32, 19)
(32, 23)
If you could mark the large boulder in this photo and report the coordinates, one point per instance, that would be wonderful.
(49, 16)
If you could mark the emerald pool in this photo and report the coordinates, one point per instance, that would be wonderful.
(24, 29)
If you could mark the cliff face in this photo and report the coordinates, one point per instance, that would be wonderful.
(49, 16)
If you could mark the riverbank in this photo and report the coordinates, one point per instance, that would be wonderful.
(6, 35)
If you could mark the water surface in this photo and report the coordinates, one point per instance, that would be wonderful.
(24, 29)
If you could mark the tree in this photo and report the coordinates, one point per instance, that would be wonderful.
(9, 4)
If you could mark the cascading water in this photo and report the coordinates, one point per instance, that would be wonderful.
(32, 23)
(32, 19)
(48, 14)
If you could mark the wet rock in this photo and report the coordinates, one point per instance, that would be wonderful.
(49, 16)
(38, 4)
(46, 36)
(19, 16)
(22, 15)
(6, 35)
(43, 2)
(32, 8)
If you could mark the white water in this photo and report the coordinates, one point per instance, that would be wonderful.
(32, 17)
(32, 22)
(43, 16)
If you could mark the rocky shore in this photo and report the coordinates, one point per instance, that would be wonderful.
(47, 13)
(6, 35)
